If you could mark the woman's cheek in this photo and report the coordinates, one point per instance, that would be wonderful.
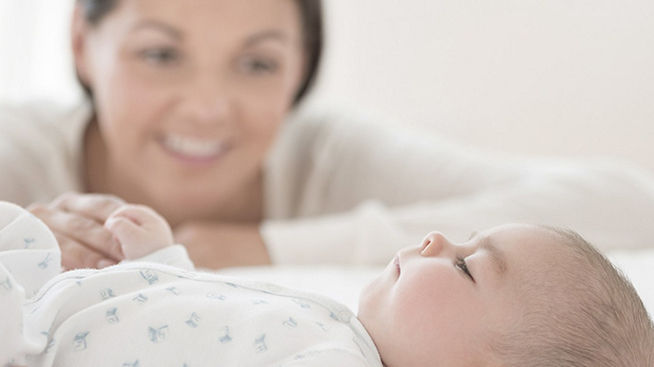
(262, 121)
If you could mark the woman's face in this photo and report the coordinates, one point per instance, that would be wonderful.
(190, 93)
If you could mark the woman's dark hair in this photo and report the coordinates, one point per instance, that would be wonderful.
(310, 10)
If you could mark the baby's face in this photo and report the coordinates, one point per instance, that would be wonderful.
(438, 303)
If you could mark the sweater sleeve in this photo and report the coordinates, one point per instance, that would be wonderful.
(372, 190)
(40, 147)
(29, 257)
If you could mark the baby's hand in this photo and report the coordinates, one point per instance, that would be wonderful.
(139, 230)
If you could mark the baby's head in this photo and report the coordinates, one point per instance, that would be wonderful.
(516, 295)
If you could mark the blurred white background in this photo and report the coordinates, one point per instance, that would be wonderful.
(563, 77)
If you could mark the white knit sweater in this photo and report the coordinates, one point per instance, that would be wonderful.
(340, 188)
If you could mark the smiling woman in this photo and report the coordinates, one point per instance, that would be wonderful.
(191, 110)
(195, 107)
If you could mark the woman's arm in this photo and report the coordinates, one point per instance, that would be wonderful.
(387, 188)
(221, 245)
(351, 193)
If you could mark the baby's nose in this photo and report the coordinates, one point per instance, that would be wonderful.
(434, 244)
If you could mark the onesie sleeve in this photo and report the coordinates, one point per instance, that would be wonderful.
(367, 190)
(29, 257)
(28, 250)
(175, 255)
(329, 358)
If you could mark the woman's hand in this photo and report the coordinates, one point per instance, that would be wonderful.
(77, 221)
(219, 245)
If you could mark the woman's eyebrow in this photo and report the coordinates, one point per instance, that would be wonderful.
(264, 36)
(498, 258)
(148, 23)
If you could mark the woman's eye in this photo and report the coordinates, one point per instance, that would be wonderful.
(160, 56)
(461, 265)
(258, 66)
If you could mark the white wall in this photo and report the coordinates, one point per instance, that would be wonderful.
(545, 77)
(571, 77)
(35, 58)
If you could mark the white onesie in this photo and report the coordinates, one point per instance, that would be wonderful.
(158, 312)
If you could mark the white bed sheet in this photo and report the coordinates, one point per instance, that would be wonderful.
(344, 283)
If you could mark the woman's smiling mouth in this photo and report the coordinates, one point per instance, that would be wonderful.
(192, 149)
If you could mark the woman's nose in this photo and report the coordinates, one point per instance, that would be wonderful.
(209, 103)
(435, 244)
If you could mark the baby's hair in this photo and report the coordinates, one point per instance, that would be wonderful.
(586, 314)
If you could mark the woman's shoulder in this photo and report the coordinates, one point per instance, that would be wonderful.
(319, 127)
(328, 118)
(40, 147)
(310, 133)
(43, 129)
(27, 120)
(348, 132)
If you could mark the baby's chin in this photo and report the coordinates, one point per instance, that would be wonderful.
(367, 296)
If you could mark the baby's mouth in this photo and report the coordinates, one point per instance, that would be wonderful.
(396, 264)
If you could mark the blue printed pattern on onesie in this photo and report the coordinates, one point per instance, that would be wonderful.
(226, 338)
(28, 243)
(6, 284)
(158, 334)
(46, 262)
(290, 322)
(107, 293)
(150, 276)
(79, 342)
(140, 298)
(193, 320)
(260, 344)
(112, 315)
(180, 323)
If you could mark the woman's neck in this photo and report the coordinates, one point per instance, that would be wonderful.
(94, 162)
(100, 176)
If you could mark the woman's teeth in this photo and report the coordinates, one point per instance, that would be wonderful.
(193, 147)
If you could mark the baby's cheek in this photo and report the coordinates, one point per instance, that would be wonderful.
(421, 297)
(412, 306)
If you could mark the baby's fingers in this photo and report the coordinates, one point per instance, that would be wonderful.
(139, 230)
(147, 220)
(123, 228)
(140, 215)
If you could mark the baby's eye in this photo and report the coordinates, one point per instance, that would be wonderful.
(461, 265)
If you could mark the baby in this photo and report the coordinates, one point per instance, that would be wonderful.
(515, 295)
